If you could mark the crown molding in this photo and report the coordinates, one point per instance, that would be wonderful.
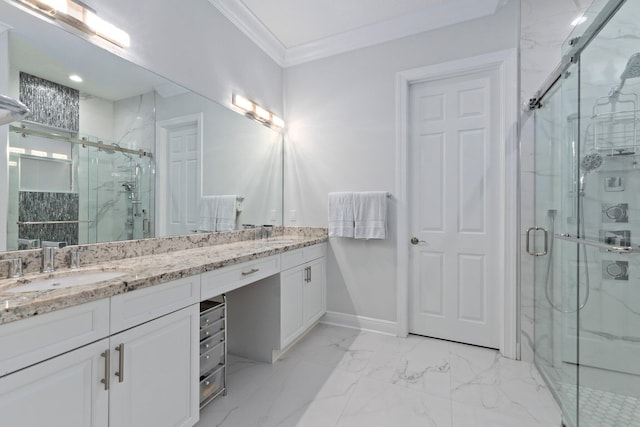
(433, 18)
(449, 13)
(236, 12)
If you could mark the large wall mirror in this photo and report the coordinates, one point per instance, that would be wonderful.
(124, 154)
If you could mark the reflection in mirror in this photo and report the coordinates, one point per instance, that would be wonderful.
(125, 154)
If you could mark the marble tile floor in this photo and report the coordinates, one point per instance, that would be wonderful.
(339, 377)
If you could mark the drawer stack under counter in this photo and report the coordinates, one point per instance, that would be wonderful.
(213, 349)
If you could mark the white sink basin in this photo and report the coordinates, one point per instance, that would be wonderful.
(80, 278)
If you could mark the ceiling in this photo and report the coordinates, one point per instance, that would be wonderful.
(297, 31)
(298, 22)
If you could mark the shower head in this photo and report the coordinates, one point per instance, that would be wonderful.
(631, 71)
(589, 163)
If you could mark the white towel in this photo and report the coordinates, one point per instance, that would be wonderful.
(341, 214)
(226, 213)
(370, 212)
(208, 210)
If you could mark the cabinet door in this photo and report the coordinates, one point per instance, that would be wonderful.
(61, 392)
(154, 374)
(314, 292)
(291, 311)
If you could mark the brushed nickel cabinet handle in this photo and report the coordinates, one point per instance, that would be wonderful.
(253, 270)
(120, 373)
(107, 368)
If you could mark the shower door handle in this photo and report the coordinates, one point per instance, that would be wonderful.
(546, 241)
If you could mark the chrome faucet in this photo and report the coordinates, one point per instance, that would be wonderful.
(15, 267)
(48, 259)
(266, 231)
(74, 259)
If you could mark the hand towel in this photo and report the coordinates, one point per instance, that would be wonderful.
(370, 212)
(341, 214)
(207, 218)
(226, 213)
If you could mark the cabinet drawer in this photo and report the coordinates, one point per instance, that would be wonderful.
(209, 343)
(212, 358)
(211, 315)
(302, 255)
(29, 341)
(212, 384)
(229, 278)
(139, 306)
(212, 330)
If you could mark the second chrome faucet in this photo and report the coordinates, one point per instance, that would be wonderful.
(48, 259)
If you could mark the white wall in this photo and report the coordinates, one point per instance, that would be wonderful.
(341, 136)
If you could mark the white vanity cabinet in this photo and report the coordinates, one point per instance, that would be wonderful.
(144, 375)
(302, 292)
(154, 372)
(266, 317)
(61, 392)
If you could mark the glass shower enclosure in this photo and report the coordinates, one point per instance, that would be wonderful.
(587, 235)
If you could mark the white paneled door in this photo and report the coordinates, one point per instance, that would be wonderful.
(183, 179)
(456, 208)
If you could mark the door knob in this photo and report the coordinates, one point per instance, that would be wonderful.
(415, 241)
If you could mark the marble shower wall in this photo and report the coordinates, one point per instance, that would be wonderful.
(545, 24)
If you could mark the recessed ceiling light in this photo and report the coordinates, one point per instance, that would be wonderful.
(579, 21)
(75, 78)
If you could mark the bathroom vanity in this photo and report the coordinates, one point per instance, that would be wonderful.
(126, 351)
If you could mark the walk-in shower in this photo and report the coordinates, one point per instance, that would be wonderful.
(77, 189)
(587, 202)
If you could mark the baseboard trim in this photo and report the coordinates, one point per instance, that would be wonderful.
(363, 323)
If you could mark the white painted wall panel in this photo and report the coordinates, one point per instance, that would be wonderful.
(341, 136)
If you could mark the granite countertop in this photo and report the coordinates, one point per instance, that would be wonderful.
(138, 272)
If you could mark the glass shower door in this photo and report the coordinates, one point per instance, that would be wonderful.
(609, 323)
(557, 273)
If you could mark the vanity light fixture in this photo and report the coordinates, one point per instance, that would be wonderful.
(256, 112)
(75, 78)
(82, 17)
(242, 103)
(277, 121)
(262, 114)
